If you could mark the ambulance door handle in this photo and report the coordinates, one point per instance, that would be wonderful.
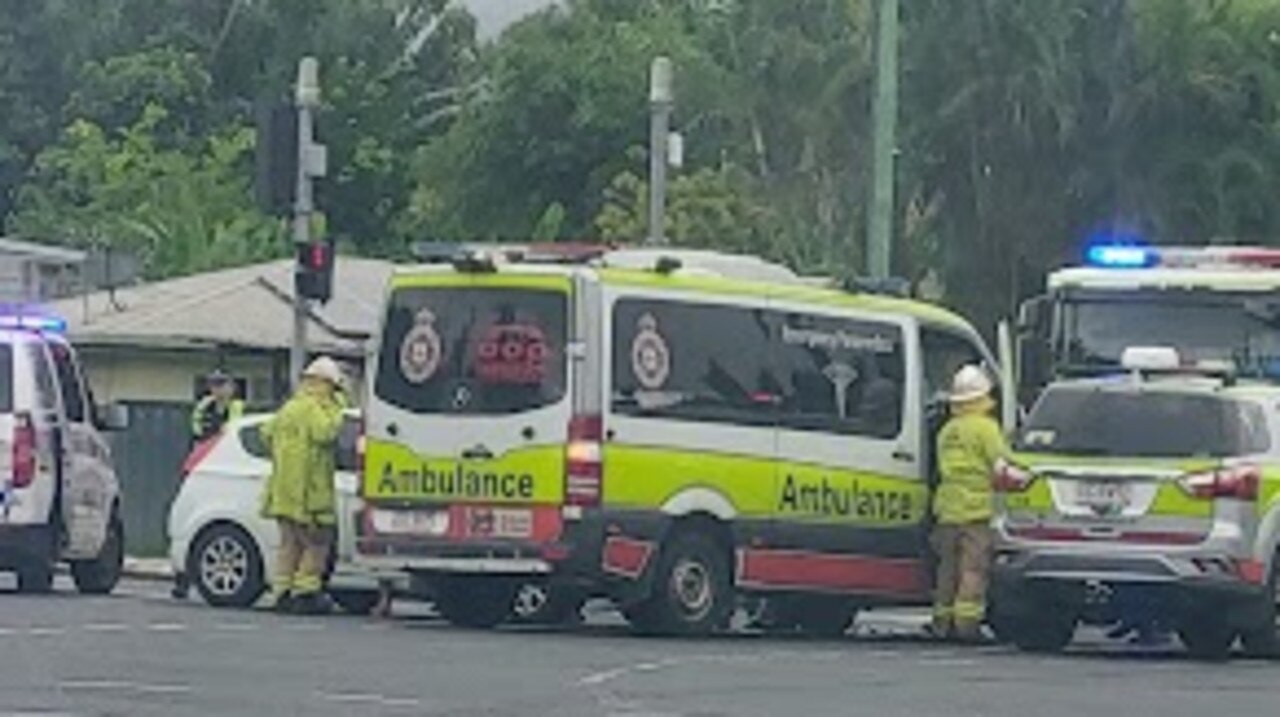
(528, 433)
(393, 430)
(479, 453)
(904, 456)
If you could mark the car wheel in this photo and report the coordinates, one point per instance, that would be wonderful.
(1208, 637)
(100, 575)
(478, 603)
(693, 588)
(226, 567)
(1264, 641)
(1040, 633)
(355, 602)
(35, 577)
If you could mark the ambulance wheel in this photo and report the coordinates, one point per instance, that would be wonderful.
(1264, 641)
(476, 603)
(1208, 637)
(692, 588)
(355, 602)
(1041, 633)
(100, 575)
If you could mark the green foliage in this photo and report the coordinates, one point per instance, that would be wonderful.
(1026, 125)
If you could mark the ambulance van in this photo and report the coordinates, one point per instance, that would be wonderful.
(668, 429)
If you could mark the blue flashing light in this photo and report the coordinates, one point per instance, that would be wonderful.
(28, 322)
(1114, 256)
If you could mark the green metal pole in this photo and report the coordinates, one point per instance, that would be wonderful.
(884, 144)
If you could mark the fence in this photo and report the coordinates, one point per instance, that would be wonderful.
(148, 461)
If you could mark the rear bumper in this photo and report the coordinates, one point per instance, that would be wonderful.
(25, 543)
(1097, 586)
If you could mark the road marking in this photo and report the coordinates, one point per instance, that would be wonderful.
(7, 631)
(235, 627)
(94, 685)
(306, 627)
(46, 631)
(166, 627)
(163, 689)
(368, 698)
(106, 627)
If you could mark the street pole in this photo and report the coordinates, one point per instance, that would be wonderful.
(661, 104)
(880, 210)
(307, 99)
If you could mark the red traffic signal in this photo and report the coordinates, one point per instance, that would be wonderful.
(313, 275)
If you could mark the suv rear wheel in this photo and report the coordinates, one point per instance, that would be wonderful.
(1208, 637)
(100, 575)
(1264, 641)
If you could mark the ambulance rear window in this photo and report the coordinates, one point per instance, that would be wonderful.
(473, 351)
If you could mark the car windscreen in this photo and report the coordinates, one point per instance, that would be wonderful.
(1109, 422)
(473, 350)
(6, 378)
(1201, 326)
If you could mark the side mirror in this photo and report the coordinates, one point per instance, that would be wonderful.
(1034, 316)
(112, 417)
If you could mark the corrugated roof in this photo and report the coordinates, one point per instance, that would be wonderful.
(247, 307)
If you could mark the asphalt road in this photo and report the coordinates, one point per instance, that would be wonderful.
(141, 653)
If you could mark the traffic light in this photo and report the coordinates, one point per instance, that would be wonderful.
(276, 183)
(313, 275)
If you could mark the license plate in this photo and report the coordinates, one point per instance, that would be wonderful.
(1104, 496)
(500, 523)
(434, 523)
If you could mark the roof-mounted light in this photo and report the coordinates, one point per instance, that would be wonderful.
(31, 322)
(1115, 256)
(1150, 358)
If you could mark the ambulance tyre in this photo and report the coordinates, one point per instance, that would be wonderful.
(692, 587)
(476, 603)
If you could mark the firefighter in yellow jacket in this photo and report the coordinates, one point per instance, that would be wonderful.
(299, 494)
(969, 446)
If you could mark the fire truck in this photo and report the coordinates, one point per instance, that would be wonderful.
(1217, 306)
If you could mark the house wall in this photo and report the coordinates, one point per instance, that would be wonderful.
(131, 374)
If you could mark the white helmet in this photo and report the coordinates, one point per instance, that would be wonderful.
(326, 369)
(970, 384)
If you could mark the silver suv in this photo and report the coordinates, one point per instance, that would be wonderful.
(1142, 498)
(59, 497)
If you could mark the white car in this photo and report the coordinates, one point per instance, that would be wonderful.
(221, 545)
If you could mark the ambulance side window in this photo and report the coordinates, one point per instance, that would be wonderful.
(841, 375)
(693, 362)
(945, 353)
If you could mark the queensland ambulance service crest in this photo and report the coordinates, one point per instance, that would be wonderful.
(650, 357)
(420, 353)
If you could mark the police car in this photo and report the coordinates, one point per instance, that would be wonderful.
(1152, 497)
(59, 497)
(669, 429)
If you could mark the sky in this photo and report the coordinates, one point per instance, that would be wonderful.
(494, 15)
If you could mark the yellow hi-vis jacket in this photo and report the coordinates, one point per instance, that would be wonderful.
(303, 437)
(969, 446)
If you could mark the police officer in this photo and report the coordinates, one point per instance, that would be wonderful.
(969, 446)
(216, 408)
(299, 493)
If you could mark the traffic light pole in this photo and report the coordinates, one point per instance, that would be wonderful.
(307, 98)
(880, 209)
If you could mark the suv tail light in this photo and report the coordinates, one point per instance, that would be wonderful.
(1239, 482)
(583, 461)
(197, 455)
(1010, 478)
(24, 451)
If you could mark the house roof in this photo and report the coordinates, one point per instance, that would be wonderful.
(43, 252)
(245, 307)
